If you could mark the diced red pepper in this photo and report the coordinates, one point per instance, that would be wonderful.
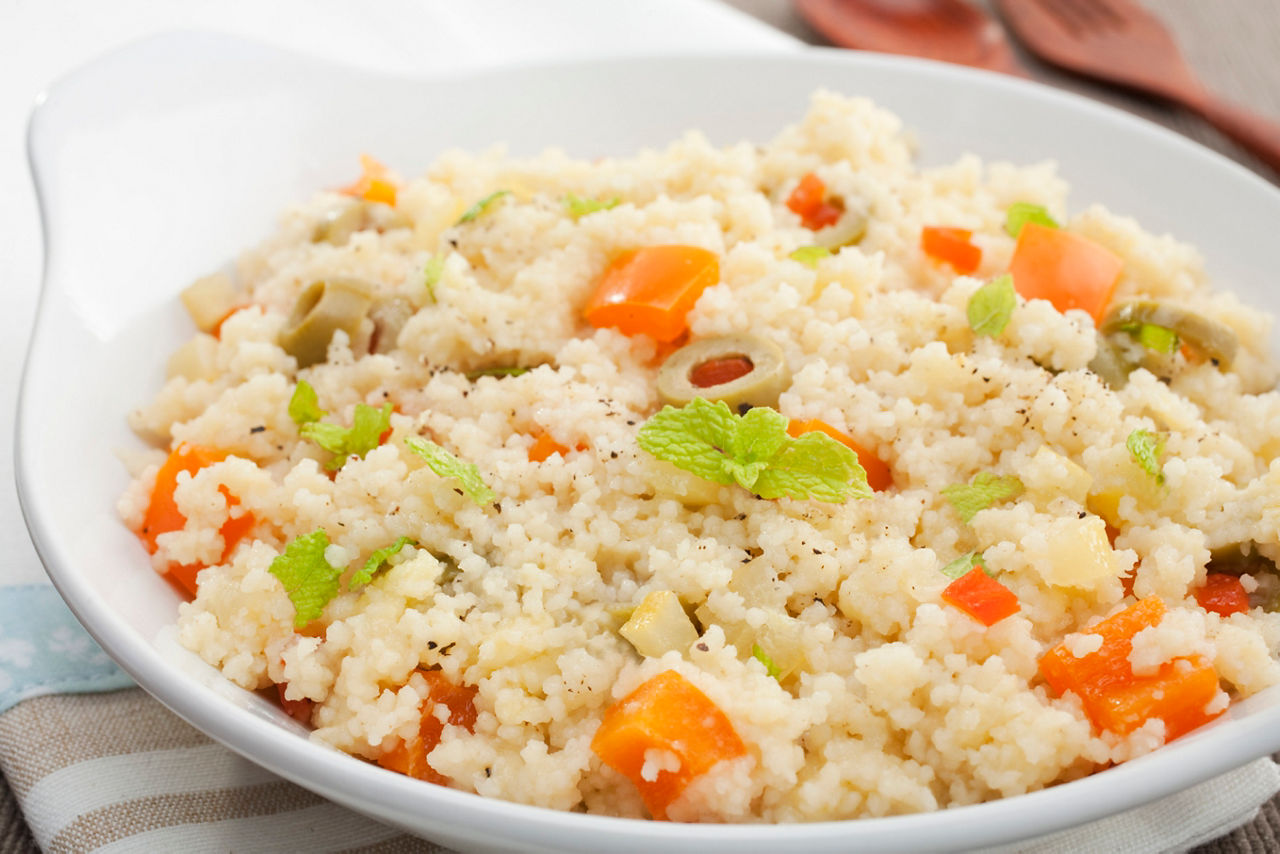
(809, 202)
(1223, 594)
(981, 597)
(951, 245)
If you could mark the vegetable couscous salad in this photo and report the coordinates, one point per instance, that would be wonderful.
(775, 483)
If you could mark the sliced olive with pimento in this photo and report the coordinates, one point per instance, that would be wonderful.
(742, 370)
(322, 309)
(1146, 333)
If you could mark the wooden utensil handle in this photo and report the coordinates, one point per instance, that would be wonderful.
(1258, 135)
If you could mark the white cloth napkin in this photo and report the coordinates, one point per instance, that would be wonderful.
(116, 771)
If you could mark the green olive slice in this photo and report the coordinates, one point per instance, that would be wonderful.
(1215, 340)
(340, 223)
(321, 310)
(741, 370)
(1110, 364)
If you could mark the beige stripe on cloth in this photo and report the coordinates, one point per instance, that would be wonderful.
(119, 772)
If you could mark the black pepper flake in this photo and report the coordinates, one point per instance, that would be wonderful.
(630, 423)
(459, 491)
(613, 455)
(703, 647)
(488, 772)
(431, 644)
(741, 517)
(261, 428)
(817, 551)
(1081, 514)
(497, 505)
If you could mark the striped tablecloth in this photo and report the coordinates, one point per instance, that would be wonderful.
(164, 776)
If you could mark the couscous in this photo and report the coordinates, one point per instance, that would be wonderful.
(767, 483)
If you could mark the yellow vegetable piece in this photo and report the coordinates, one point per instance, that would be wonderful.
(660, 625)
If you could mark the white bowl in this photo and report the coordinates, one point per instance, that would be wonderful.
(163, 161)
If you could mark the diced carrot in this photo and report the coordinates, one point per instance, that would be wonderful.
(651, 290)
(163, 516)
(410, 757)
(299, 710)
(667, 713)
(544, 446)
(809, 202)
(951, 245)
(1117, 700)
(1177, 694)
(878, 476)
(981, 597)
(1223, 594)
(372, 185)
(1066, 269)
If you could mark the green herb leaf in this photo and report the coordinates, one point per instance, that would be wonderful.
(579, 207)
(810, 255)
(304, 406)
(446, 464)
(992, 305)
(481, 206)
(980, 493)
(307, 577)
(962, 565)
(1146, 447)
(1160, 339)
(1021, 213)
(331, 437)
(377, 560)
(364, 434)
(495, 372)
(431, 275)
(758, 653)
(693, 437)
(754, 451)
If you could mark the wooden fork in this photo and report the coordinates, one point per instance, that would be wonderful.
(1118, 41)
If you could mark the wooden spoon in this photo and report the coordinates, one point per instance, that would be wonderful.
(949, 30)
(1120, 41)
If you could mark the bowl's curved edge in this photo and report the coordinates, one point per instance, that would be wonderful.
(338, 776)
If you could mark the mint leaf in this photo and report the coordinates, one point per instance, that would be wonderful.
(377, 560)
(1146, 447)
(1021, 213)
(810, 255)
(307, 577)
(364, 434)
(331, 437)
(579, 207)
(754, 451)
(304, 406)
(446, 464)
(759, 435)
(980, 493)
(962, 565)
(694, 437)
(758, 653)
(431, 275)
(991, 306)
(495, 372)
(481, 206)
